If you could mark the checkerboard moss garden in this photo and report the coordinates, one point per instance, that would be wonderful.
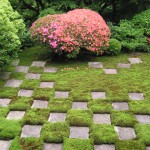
(88, 103)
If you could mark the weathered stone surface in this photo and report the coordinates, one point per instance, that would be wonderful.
(95, 64)
(15, 115)
(46, 84)
(134, 60)
(61, 94)
(125, 133)
(120, 105)
(104, 147)
(4, 145)
(4, 102)
(39, 104)
(79, 105)
(31, 131)
(4, 75)
(49, 69)
(13, 83)
(101, 118)
(26, 93)
(57, 117)
(33, 76)
(97, 95)
(136, 96)
(143, 119)
(79, 132)
(110, 71)
(23, 69)
(148, 148)
(53, 146)
(121, 65)
(15, 63)
(38, 63)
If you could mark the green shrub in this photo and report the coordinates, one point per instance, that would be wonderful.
(114, 47)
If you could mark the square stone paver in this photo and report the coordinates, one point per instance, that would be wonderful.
(79, 105)
(144, 119)
(53, 146)
(23, 69)
(4, 145)
(50, 69)
(33, 76)
(121, 65)
(15, 63)
(148, 148)
(120, 105)
(46, 84)
(61, 94)
(134, 60)
(136, 96)
(101, 118)
(38, 63)
(97, 95)
(31, 131)
(104, 147)
(26, 93)
(4, 102)
(4, 75)
(15, 115)
(57, 117)
(95, 64)
(125, 133)
(13, 83)
(39, 104)
(110, 71)
(79, 132)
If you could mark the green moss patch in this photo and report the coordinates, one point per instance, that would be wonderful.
(17, 75)
(8, 92)
(30, 84)
(36, 69)
(15, 144)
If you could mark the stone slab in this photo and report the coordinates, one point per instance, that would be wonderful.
(104, 147)
(38, 63)
(13, 83)
(26, 93)
(50, 69)
(33, 76)
(4, 102)
(23, 69)
(121, 65)
(110, 71)
(143, 119)
(95, 64)
(79, 132)
(125, 133)
(61, 94)
(53, 146)
(79, 105)
(134, 60)
(46, 84)
(148, 148)
(4, 145)
(31, 131)
(120, 105)
(101, 118)
(57, 117)
(15, 63)
(98, 95)
(39, 104)
(136, 96)
(15, 115)
(4, 75)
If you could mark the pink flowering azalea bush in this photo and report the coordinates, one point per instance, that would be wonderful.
(69, 33)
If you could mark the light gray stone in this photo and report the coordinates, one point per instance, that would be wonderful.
(57, 117)
(33, 76)
(4, 102)
(125, 133)
(38, 63)
(31, 131)
(53, 146)
(110, 71)
(143, 119)
(23, 69)
(4, 75)
(101, 118)
(104, 147)
(15, 115)
(4, 145)
(50, 69)
(136, 96)
(79, 105)
(79, 132)
(95, 64)
(121, 65)
(26, 93)
(16, 62)
(148, 148)
(13, 83)
(134, 60)
(120, 105)
(61, 94)
(39, 104)
(46, 84)
(97, 95)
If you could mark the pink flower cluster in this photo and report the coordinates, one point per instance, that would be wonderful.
(80, 28)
